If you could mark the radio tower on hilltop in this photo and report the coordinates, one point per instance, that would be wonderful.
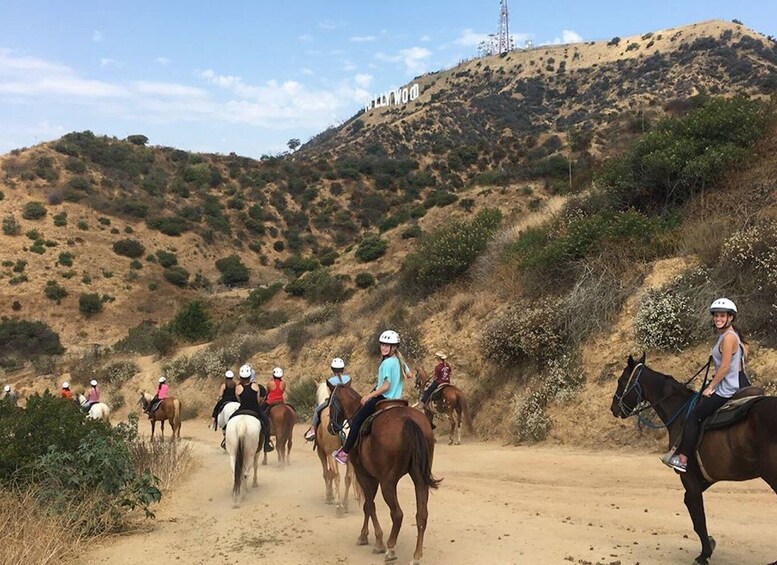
(500, 42)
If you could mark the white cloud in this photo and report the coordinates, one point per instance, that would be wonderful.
(164, 61)
(425, 38)
(328, 24)
(363, 80)
(468, 38)
(168, 89)
(568, 36)
(105, 62)
(307, 72)
(305, 37)
(97, 36)
(363, 38)
(414, 58)
(349, 66)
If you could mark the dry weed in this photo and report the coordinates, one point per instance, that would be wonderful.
(169, 461)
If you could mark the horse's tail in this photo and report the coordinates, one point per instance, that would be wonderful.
(239, 462)
(420, 457)
(177, 416)
(465, 410)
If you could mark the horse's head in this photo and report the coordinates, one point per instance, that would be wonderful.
(343, 400)
(81, 399)
(421, 377)
(627, 395)
(144, 399)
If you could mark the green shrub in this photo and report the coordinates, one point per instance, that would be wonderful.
(302, 395)
(192, 322)
(33, 234)
(118, 372)
(440, 198)
(370, 248)
(65, 259)
(364, 280)
(261, 295)
(19, 266)
(318, 286)
(267, 319)
(447, 253)
(232, 270)
(147, 339)
(11, 225)
(82, 225)
(166, 259)
(295, 265)
(60, 220)
(169, 225)
(177, 275)
(90, 303)
(528, 331)
(296, 338)
(33, 211)
(22, 339)
(131, 248)
(55, 291)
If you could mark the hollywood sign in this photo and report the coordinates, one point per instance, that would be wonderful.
(394, 97)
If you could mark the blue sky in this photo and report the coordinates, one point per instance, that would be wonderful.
(248, 76)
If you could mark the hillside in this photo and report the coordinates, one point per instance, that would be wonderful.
(417, 220)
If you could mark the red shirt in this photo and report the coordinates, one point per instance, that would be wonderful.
(442, 373)
(66, 393)
(276, 394)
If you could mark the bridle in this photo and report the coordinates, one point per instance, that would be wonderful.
(336, 413)
(632, 384)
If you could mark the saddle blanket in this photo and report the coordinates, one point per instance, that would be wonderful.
(731, 412)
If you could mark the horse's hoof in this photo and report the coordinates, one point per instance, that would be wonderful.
(378, 550)
(390, 556)
(701, 560)
(361, 541)
(339, 512)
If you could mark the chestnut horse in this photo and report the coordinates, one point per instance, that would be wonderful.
(400, 443)
(282, 419)
(450, 400)
(326, 444)
(169, 409)
(746, 450)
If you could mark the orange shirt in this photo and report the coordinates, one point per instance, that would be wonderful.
(66, 393)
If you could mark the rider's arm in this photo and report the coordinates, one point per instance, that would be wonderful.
(727, 348)
(380, 390)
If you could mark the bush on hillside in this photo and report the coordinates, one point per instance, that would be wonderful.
(147, 339)
(267, 319)
(319, 287)
(55, 291)
(169, 225)
(90, 304)
(295, 265)
(232, 270)
(131, 248)
(192, 322)
(302, 395)
(364, 280)
(370, 248)
(65, 259)
(176, 275)
(261, 295)
(166, 259)
(447, 254)
(118, 372)
(33, 211)
(21, 340)
(527, 331)
(11, 225)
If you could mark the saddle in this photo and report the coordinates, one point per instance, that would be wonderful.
(268, 407)
(380, 408)
(735, 409)
(244, 412)
(438, 392)
(154, 406)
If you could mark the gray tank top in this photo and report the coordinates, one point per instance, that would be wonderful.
(730, 383)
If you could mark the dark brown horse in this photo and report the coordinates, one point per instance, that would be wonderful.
(400, 443)
(746, 450)
(282, 419)
(169, 409)
(449, 401)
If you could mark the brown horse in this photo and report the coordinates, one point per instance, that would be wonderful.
(169, 409)
(743, 451)
(400, 443)
(326, 444)
(282, 419)
(449, 401)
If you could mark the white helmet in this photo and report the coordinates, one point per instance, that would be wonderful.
(277, 373)
(338, 363)
(7, 388)
(245, 372)
(723, 305)
(162, 379)
(229, 375)
(93, 382)
(389, 337)
(66, 385)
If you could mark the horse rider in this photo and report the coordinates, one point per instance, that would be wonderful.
(162, 392)
(389, 387)
(337, 378)
(92, 395)
(226, 394)
(276, 387)
(728, 358)
(8, 395)
(251, 397)
(442, 375)
(65, 391)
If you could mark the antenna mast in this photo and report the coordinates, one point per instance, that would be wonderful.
(504, 41)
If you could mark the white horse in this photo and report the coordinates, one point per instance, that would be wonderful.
(224, 416)
(98, 410)
(242, 439)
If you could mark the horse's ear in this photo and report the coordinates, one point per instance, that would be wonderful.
(630, 361)
(642, 359)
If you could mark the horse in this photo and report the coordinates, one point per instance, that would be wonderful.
(450, 400)
(242, 441)
(224, 415)
(282, 419)
(169, 409)
(746, 450)
(401, 442)
(97, 411)
(326, 444)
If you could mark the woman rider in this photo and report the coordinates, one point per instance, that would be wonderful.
(226, 394)
(276, 387)
(93, 396)
(442, 375)
(337, 378)
(250, 397)
(65, 392)
(162, 391)
(389, 387)
(727, 356)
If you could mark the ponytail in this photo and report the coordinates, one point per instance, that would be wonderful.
(404, 368)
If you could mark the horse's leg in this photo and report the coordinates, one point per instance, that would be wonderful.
(256, 465)
(452, 422)
(162, 422)
(370, 487)
(694, 501)
(421, 516)
(153, 425)
(458, 423)
(288, 449)
(336, 484)
(389, 491)
(347, 482)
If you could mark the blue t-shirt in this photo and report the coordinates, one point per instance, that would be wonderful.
(389, 371)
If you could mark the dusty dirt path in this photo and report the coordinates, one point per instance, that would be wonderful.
(496, 505)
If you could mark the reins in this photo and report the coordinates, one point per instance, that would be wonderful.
(643, 404)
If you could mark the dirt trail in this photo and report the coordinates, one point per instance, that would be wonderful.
(496, 505)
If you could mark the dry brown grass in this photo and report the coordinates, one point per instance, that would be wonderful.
(169, 461)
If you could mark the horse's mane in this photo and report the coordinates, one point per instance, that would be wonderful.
(674, 383)
(322, 393)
